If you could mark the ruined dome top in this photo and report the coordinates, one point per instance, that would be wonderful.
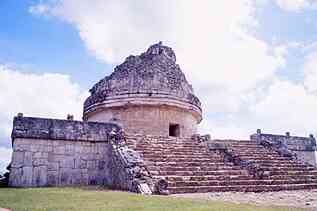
(152, 73)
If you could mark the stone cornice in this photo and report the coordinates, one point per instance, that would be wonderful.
(58, 129)
(155, 100)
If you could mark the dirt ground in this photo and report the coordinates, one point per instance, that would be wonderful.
(302, 199)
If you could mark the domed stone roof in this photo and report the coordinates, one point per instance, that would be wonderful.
(153, 73)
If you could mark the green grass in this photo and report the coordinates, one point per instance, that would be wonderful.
(85, 199)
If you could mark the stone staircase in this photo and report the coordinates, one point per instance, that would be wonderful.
(189, 167)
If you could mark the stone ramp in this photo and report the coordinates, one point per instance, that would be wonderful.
(189, 167)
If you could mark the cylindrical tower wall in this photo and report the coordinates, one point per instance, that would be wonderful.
(154, 120)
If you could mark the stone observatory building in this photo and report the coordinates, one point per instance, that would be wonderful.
(139, 133)
(146, 94)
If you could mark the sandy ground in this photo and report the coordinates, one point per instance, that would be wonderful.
(302, 199)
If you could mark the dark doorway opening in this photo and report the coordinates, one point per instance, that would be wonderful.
(174, 130)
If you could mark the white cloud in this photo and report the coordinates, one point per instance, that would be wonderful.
(39, 9)
(310, 71)
(5, 158)
(46, 95)
(289, 106)
(213, 40)
(232, 70)
(296, 5)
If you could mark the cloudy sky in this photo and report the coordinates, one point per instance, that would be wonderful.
(253, 63)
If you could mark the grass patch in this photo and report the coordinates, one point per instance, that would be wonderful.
(87, 199)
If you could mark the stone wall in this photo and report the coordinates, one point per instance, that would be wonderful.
(52, 152)
(152, 120)
(43, 162)
(303, 147)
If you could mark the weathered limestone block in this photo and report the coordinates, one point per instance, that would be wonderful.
(15, 177)
(28, 159)
(61, 150)
(43, 155)
(40, 176)
(17, 159)
(40, 162)
(52, 178)
(53, 166)
(65, 177)
(67, 162)
(80, 163)
(69, 149)
(26, 177)
(92, 164)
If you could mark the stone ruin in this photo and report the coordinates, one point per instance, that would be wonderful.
(139, 133)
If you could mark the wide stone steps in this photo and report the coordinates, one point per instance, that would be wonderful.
(189, 167)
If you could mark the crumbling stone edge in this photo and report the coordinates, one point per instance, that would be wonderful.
(128, 170)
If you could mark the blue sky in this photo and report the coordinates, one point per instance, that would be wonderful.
(253, 63)
(45, 45)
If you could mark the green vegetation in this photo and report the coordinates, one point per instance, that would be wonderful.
(93, 199)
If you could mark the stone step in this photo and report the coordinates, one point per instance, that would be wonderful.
(304, 172)
(200, 173)
(293, 177)
(287, 168)
(264, 158)
(237, 177)
(174, 153)
(237, 182)
(247, 148)
(285, 165)
(150, 156)
(187, 164)
(167, 143)
(246, 142)
(273, 162)
(240, 188)
(171, 149)
(256, 154)
(200, 168)
(211, 160)
(206, 177)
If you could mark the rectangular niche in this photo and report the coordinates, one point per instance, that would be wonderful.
(174, 130)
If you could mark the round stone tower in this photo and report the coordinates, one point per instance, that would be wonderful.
(146, 94)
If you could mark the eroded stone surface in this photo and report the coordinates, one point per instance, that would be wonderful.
(154, 71)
